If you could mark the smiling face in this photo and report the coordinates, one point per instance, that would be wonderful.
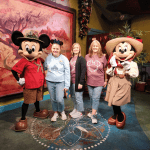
(76, 49)
(123, 51)
(55, 50)
(30, 49)
(95, 47)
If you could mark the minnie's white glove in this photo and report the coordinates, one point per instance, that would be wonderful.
(126, 65)
(21, 81)
(110, 71)
(113, 61)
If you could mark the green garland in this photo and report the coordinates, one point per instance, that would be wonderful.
(84, 13)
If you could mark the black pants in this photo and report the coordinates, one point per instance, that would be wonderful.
(117, 112)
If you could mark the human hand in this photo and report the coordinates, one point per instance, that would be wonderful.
(21, 81)
(65, 89)
(80, 86)
(45, 72)
(105, 84)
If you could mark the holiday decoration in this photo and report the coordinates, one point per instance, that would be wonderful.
(84, 13)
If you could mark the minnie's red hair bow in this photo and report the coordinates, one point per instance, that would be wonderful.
(140, 40)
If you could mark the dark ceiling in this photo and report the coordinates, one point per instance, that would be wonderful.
(131, 7)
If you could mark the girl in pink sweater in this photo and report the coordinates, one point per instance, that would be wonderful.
(96, 76)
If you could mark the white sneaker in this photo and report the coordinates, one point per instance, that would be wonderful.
(63, 115)
(74, 111)
(94, 120)
(90, 114)
(55, 116)
(77, 115)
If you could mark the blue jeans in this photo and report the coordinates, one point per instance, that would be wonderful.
(56, 94)
(95, 93)
(77, 98)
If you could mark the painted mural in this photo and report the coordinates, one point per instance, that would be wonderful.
(25, 15)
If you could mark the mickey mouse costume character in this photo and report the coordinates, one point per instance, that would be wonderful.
(121, 67)
(31, 68)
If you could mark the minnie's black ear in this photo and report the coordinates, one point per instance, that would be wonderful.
(45, 38)
(57, 42)
(14, 37)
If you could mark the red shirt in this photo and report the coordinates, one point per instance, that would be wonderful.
(34, 77)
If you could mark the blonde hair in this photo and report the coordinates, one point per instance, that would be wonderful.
(99, 52)
(72, 54)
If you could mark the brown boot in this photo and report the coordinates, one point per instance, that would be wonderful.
(21, 125)
(41, 114)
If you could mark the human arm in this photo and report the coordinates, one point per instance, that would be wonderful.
(67, 74)
(106, 78)
(45, 64)
(83, 72)
(86, 67)
(105, 74)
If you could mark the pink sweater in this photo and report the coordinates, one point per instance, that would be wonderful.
(95, 70)
(72, 68)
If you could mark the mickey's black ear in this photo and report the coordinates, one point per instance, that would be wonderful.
(14, 37)
(45, 38)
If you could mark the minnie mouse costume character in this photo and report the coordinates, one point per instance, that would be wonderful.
(31, 68)
(121, 68)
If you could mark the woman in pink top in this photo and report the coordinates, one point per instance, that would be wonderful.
(96, 76)
(77, 70)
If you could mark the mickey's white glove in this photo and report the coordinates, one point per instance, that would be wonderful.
(21, 81)
(126, 65)
(113, 61)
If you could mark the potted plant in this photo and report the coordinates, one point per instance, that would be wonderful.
(141, 60)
